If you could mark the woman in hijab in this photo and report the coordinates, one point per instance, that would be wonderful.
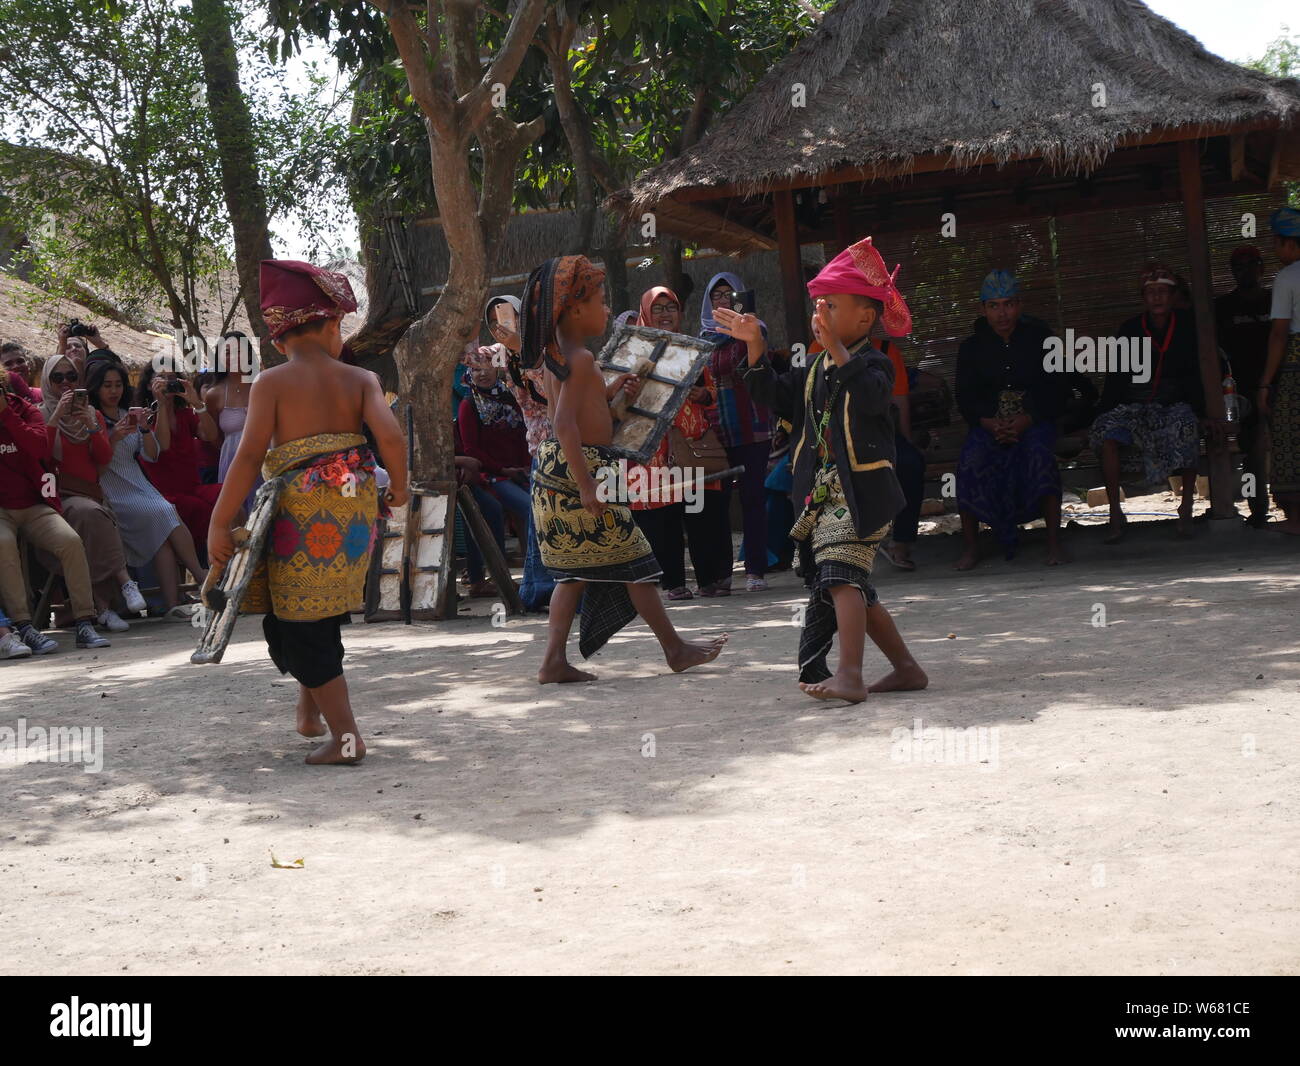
(664, 520)
(79, 437)
(744, 428)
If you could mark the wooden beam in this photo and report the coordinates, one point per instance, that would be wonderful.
(842, 210)
(1222, 489)
(1237, 156)
(792, 286)
(942, 161)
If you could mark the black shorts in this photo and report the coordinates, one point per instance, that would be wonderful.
(311, 651)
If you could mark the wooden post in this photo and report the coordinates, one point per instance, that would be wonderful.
(842, 213)
(792, 285)
(1198, 255)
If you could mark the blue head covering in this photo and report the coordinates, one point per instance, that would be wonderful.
(1285, 222)
(999, 285)
(708, 324)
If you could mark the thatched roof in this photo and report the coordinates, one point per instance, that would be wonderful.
(975, 81)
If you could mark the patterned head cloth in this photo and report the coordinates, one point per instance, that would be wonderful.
(1285, 222)
(999, 285)
(477, 358)
(1159, 274)
(295, 293)
(860, 271)
(553, 288)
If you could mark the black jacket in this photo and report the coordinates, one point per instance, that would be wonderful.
(861, 428)
(987, 365)
(1180, 377)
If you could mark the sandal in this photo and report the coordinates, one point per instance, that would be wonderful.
(887, 551)
(182, 612)
(681, 593)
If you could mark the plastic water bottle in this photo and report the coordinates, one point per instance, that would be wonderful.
(1230, 398)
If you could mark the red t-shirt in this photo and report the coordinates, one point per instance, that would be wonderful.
(176, 473)
(24, 451)
(82, 459)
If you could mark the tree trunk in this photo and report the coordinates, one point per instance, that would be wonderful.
(232, 127)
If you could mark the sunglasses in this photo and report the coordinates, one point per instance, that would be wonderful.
(59, 378)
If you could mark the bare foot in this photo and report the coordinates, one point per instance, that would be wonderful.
(1056, 555)
(334, 752)
(900, 555)
(969, 559)
(562, 674)
(1184, 527)
(310, 723)
(686, 655)
(1116, 530)
(907, 679)
(838, 686)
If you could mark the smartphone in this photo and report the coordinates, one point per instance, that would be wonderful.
(80, 399)
(135, 415)
(743, 302)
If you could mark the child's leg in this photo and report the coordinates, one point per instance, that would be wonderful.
(851, 624)
(680, 654)
(1189, 498)
(555, 663)
(1052, 516)
(309, 719)
(906, 675)
(345, 744)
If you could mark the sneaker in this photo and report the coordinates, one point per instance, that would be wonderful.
(112, 621)
(88, 638)
(12, 647)
(134, 601)
(756, 584)
(36, 640)
(182, 612)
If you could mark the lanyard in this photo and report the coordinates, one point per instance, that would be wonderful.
(1163, 347)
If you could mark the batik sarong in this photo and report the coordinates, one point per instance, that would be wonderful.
(319, 543)
(1284, 420)
(1003, 486)
(831, 553)
(1167, 437)
(609, 551)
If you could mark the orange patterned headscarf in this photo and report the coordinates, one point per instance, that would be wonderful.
(553, 288)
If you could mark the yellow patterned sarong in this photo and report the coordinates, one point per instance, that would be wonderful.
(610, 551)
(318, 546)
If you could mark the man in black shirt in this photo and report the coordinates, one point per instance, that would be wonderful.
(1157, 414)
(1243, 321)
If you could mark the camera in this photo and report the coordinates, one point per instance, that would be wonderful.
(176, 387)
(77, 328)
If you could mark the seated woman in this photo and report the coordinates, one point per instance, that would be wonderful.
(664, 517)
(151, 530)
(181, 424)
(1006, 472)
(469, 471)
(80, 445)
(492, 431)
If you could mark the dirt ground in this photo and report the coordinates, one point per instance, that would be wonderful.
(1127, 802)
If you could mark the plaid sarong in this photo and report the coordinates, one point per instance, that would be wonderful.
(831, 553)
(609, 552)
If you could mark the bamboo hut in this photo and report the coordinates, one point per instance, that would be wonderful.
(1070, 141)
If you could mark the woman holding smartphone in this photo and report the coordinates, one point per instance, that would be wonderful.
(745, 429)
(151, 530)
(80, 445)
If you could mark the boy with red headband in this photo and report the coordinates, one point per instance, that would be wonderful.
(304, 428)
(843, 468)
